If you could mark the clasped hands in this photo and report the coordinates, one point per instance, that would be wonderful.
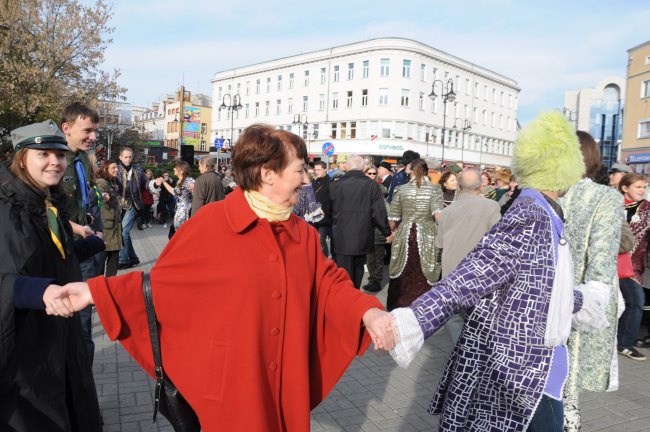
(379, 324)
(65, 300)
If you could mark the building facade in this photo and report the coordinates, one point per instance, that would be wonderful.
(636, 122)
(373, 98)
(599, 111)
(187, 121)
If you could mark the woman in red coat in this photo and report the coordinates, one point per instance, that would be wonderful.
(256, 343)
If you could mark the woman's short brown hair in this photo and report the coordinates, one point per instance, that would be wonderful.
(628, 179)
(261, 146)
(590, 154)
(183, 167)
(103, 170)
(443, 179)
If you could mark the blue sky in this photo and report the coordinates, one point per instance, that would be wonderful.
(548, 47)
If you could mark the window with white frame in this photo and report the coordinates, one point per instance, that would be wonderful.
(423, 72)
(458, 83)
(291, 80)
(305, 103)
(406, 68)
(466, 111)
(364, 69)
(257, 109)
(385, 131)
(314, 132)
(335, 129)
(476, 90)
(404, 101)
(279, 82)
(278, 106)
(335, 100)
(485, 93)
(350, 71)
(220, 93)
(434, 73)
(321, 102)
(348, 102)
(268, 84)
(246, 110)
(384, 67)
(485, 117)
(306, 78)
(421, 101)
(645, 89)
(503, 99)
(494, 95)
(344, 132)
(493, 119)
(500, 121)
(267, 108)
(290, 106)
(644, 128)
(468, 87)
(323, 75)
(238, 88)
(353, 130)
(336, 74)
(383, 96)
(257, 86)
(248, 88)
(364, 97)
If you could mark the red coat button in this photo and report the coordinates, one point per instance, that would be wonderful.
(275, 331)
(273, 257)
(276, 294)
(273, 366)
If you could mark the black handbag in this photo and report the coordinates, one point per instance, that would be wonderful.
(167, 398)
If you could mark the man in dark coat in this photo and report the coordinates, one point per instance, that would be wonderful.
(321, 186)
(385, 174)
(208, 187)
(402, 176)
(357, 208)
(131, 181)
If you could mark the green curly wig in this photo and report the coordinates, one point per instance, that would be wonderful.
(547, 154)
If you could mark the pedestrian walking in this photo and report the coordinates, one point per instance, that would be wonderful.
(111, 213)
(183, 194)
(375, 258)
(321, 186)
(460, 227)
(594, 214)
(637, 211)
(46, 381)
(414, 264)
(131, 182)
(208, 187)
(357, 208)
(277, 344)
(165, 199)
(147, 202)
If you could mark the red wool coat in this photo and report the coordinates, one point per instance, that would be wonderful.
(253, 343)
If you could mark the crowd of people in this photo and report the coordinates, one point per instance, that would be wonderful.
(536, 271)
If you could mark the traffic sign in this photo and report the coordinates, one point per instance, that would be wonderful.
(218, 143)
(328, 148)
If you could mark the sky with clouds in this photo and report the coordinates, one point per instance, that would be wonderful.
(547, 46)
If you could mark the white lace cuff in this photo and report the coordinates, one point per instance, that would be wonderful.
(408, 335)
(592, 316)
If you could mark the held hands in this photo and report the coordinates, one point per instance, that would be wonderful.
(380, 327)
(65, 300)
(159, 181)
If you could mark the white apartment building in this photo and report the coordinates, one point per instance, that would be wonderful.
(372, 98)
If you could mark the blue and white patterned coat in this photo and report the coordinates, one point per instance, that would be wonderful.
(498, 370)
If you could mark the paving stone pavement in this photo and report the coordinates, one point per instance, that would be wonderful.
(373, 395)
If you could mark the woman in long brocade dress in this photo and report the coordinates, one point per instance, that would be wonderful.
(413, 265)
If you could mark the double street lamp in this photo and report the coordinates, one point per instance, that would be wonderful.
(301, 120)
(234, 104)
(465, 125)
(448, 95)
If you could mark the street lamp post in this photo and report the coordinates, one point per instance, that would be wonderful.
(464, 126)
(234, 104)
(301, 119)
(448, 95)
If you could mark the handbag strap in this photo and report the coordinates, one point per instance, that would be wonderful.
(155, 340)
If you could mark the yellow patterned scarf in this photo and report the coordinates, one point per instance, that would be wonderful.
(57, 232)
(265, 208)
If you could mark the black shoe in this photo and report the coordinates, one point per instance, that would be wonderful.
(633, 354)
(123, 266)
(372, 287)
(134, 262)
(643, 343)
(139, 227)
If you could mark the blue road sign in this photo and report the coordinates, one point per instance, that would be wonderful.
(218, 143)
(328, 148)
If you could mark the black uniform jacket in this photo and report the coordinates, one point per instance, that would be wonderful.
(46, 381)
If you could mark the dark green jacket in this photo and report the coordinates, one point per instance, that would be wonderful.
(72, 189)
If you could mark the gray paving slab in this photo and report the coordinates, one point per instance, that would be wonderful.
(374, 395)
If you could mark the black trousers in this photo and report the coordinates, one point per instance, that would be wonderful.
(376, 263)
(353, 264)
